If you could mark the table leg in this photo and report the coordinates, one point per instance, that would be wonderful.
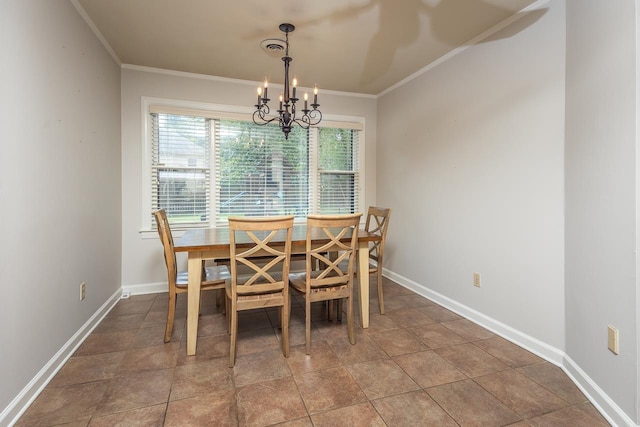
(363, 279)
(193, 300)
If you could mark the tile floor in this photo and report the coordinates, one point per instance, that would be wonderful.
(419, 364)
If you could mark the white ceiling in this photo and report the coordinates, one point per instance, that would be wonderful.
(360, 46)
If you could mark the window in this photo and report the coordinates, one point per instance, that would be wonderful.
(180, 167)
(337, 171)
(208, 165)
(259, 172)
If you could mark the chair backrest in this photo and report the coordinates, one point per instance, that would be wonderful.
(338, 235)
(377, 222)
(167, 242)
(263, 247)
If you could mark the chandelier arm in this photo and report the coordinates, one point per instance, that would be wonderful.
(312, 117)
(260, 115)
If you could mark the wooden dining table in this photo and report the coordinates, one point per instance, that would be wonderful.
(213, 243)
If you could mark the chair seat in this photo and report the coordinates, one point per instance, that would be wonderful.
(215, 275)
(257, 289)
(299, 282)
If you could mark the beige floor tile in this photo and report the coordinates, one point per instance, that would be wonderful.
(151, 416)
(363, 350)
(413, 409)
(106, 342)
(440, 314)
(381, 378)
(163, 356)
(201, 378)
(269, 402)
(84, 369)
(471, 360)
(329, 389)
(507, 352)
(521, 394)
(410, 317)
(428, 369)
(213, 409)
(470, 405)
(136, 389)
(468, 330)
(360, 415)
(258, 367)
(322, 357)
(554, 379)
(59, 405)
(570, 416)
(435, 335)
(395, 342)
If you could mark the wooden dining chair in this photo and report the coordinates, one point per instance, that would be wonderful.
(377, 223)
(213, 278)
(259, 271)
(328, 281)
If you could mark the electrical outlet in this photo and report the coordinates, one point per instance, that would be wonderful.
(612, 339)
(476, 280)
(83, 288)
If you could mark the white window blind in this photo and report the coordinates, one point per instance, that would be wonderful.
(180, 169)
(338, 178)
(259, 172)
(206, 165)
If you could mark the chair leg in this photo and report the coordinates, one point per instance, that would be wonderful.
(307, 324)
(338, 303)
(350, 323)
(171, 312)
(284, 325)
(380, 295)
(234, 333)
(227, 303)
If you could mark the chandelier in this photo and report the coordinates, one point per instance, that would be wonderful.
(287, 113)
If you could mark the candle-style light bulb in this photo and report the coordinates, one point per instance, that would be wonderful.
(294, 83)
(306, 96)
(281, 101)
(259, 94)
(265, 88)
(315, 94)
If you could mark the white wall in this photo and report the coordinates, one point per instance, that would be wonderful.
(470, 157)
(59, 183)
(601, 217)
(143, 263)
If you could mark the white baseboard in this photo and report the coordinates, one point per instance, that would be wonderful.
(607, 407)
(146, 288)
(16, 408)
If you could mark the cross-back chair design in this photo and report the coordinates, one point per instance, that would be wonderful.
(259, 271)
(212, 277)
(377, 223)
(328, 282)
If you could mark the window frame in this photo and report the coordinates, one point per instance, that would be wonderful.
(219, 111)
